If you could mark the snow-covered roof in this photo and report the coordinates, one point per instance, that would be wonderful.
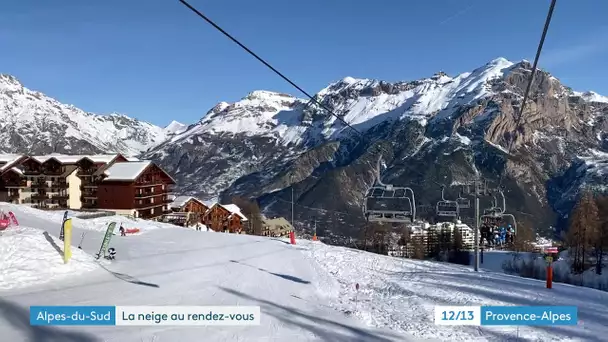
(74, 158)
(234, 209)
(180, 201)
(16, 170)
(8, 160)
(126, 171)
(132, 159)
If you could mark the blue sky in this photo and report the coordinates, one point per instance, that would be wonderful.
(155, 60)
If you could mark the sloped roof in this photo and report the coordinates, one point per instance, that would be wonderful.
(180, 201)
(127, 171)
(74, 158)
(9, 160)
(234, 209)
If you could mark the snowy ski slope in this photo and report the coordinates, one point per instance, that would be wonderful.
(306, 292)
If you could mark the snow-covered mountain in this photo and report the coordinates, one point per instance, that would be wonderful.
(267, 143)
(438, 130)
(33, 122)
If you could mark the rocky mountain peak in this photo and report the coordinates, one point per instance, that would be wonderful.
(268, 143)
(9, 83)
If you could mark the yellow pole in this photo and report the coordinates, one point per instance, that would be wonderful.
(67, 240)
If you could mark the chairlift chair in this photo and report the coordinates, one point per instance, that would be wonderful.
(498, 214)
(463, 203)
(447, 208)
(388, 204)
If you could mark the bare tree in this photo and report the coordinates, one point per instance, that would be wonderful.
(583, 230)
(251, 210)
(601, 242)
(525, 238)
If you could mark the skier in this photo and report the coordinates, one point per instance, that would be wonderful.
(122, 230)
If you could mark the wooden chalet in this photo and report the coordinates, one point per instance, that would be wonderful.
(225, 218)
(138, 188)
(186, 211)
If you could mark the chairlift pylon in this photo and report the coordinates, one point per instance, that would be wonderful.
(447, 208)
(386, 203)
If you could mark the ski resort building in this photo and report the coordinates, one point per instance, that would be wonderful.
(87, 182)
(139, 188)
(276, 227)
(11, 178)
(225, 218)
(426, 238)
(186, 211)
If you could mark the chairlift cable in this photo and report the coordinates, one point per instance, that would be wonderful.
(534, 65)
(268, 65)
(313, 99)
(273, 69)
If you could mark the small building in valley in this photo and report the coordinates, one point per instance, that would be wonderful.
(276, 227)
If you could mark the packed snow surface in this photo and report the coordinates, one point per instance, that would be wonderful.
(306, 292)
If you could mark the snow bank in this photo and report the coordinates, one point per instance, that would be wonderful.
(31, 256)
(99, 224)
(534, 266)
(402, 293)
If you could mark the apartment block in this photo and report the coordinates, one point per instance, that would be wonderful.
(88, 182)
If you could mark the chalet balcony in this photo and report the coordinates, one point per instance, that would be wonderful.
(85, 197)
(147, 204)
(30, 172)
(148, 184)
(17, 184)
(147, 194)
(88, 187)
(60, 185)
(40, 185)
(60, 197)
(57, 172)
(40, 197)
(86, 172)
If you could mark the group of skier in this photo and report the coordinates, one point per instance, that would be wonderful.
(493, 235)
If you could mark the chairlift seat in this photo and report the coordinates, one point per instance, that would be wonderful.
(463, 203)
(388, 204)
(447, 208)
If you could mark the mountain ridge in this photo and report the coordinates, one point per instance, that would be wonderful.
(268, 143)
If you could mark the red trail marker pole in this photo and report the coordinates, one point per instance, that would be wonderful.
(292, 238)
